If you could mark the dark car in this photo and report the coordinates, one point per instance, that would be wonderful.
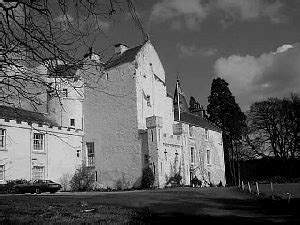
(38, 186)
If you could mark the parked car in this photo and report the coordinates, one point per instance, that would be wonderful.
(38, 186)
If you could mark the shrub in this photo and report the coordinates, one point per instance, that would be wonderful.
(65, 181)
(176, 179)
(147, 177)
(122, 184)
(82, 180)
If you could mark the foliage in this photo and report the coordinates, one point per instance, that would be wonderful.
(273, 128)
(82, 180)
(226, 113)
(65, 181)
(176, 179)
(122, 184)
(196, 182)
(147, 177)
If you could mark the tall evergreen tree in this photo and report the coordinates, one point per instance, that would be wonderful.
(226, 113)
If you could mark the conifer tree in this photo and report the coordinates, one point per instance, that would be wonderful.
(226, 113)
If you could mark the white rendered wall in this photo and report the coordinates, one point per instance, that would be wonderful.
(59, 155)
(110, 121)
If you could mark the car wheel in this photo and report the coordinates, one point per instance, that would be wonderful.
(37, 191)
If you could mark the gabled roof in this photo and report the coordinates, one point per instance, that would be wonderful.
(7, 112)
(198, 121)
(125, 57)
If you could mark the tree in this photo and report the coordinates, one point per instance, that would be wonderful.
(82, 180)
(274, 128)
(147, 178)
(226, 113)
(36, 36)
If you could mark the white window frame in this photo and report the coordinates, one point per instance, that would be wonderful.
(38, 175)
(3, 138)
(39, 143)
(208, 157)
(206, 134)
(90, 154)
(2, 171)
(191, 131)
(192, 155)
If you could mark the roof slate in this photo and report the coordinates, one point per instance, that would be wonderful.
(196, 121)
(18, 114)
(125, 57)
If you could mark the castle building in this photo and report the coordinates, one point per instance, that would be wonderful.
(129, 121)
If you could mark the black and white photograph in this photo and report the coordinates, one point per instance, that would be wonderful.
(149, 112)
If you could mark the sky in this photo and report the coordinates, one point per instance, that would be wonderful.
(253, 44)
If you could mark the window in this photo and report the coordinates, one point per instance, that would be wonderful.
(38, 141)
(191, 131)
(152, 135)
(91, 153)
(38, 173)
(208, 156)
(148, 100)
(192, 155)
(2, 138)
(209, 175)
(95, 176)
(64, 92)
(2, 172)
(72, 122)
(78, 153)
(206, 134)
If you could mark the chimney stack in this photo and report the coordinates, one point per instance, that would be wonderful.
(120, 48)
(198, 110)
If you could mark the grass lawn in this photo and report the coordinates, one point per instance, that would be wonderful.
(279, 190)
(177, 205)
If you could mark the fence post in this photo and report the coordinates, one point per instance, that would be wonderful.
(272, 189)
(243, 186)
(289, 198)
(249, 187)
(257, 188)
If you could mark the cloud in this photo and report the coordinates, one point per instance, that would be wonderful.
(64, 18)
(191, 13)
(272, 74)
(250, 10)
(103, 25)
(192, 50)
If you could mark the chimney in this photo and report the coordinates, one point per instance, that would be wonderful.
(198, 110)
(120, 48)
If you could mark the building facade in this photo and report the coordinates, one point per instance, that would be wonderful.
(124, 120)
(33, 146)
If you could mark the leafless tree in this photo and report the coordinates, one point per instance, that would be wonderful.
(273, 128)
(38, 35)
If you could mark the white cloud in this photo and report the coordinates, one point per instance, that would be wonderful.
(249, 10)
(103, 25)
(64, 18)
(191, 13)
(192, 50)
(270, 74)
